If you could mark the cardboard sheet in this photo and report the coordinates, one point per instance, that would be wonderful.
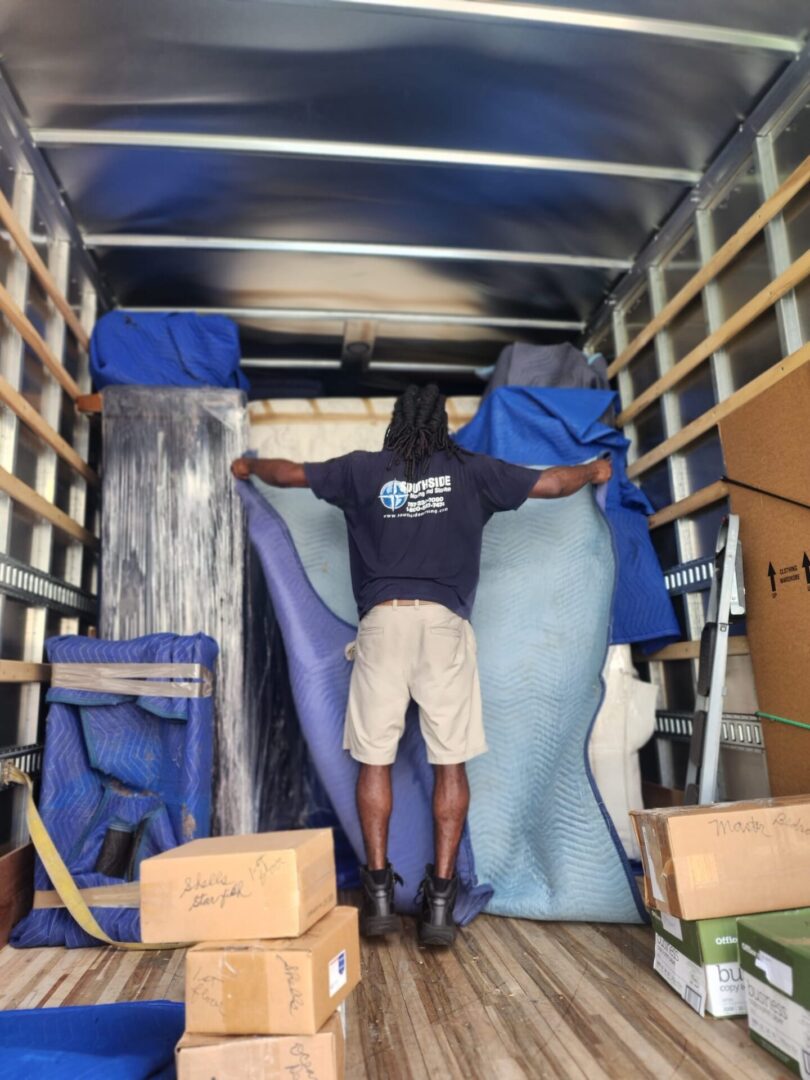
(765, 445)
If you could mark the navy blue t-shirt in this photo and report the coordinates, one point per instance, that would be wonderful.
(419, 540)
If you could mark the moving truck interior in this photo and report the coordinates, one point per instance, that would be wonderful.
(235, 235)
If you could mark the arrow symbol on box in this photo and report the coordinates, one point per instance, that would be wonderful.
(806, 565)
(772, 576)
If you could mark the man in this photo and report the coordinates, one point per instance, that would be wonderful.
(415, 513)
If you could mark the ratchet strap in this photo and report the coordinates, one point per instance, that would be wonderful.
(61, 878)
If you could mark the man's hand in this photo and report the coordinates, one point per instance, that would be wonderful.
(241, 468)
(277, 472)
(565, 480)
(602, 470)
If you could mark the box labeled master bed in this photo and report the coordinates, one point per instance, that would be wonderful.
(282, 987)
(699, 961)
(707, 862)
(234, 888)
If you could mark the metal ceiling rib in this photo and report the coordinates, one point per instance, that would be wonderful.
(548, 15)
(258, 314)
(331, 247)
(455, 172)
(378, 152)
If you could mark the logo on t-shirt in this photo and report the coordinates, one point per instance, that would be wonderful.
(420, 497)
(393, 495)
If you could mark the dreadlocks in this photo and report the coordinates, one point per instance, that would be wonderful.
(418, 429)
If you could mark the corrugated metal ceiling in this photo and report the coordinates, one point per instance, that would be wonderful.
(438, 157)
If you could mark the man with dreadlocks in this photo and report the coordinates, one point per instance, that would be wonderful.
(415, 513)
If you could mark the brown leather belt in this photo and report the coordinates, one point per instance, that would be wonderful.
(408, 603)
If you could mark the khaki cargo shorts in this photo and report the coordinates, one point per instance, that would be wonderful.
(424, 652)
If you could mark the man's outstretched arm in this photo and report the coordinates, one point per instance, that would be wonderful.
(278, 472)
(568, 479)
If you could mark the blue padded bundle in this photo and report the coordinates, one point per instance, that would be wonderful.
(140, 765)
(129, 1041)
(547, 426)
(165, 349)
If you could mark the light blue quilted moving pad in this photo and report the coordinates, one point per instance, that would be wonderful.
(538, 830)
(142, 765)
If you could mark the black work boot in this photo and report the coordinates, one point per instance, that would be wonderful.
(377, 915)
(435, 922)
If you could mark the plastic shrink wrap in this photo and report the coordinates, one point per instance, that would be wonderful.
(174, 557)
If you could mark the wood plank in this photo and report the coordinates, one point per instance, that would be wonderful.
(40, 506)
(29, 333)
(90, 403)
(46, 279)
(21, 671)
(719, 412)
(719, 261)
(748, 313)
(125, 895)
(16, 887)
(712, 493)
(29, 415)
(513, 1000)
(690, 650)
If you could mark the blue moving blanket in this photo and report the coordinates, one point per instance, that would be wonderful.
(549, 426)
(539, 831)
(130, 1041)
(136, 765)
(165, 349)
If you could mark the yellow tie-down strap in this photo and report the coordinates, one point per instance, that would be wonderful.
(61, 879)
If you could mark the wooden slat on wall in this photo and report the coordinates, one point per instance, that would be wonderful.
(46, 279)
(748, 313)
(23, 671)
(31, 336)
(34, 502)
(29, 415)
(690, 650)
(721, 259)
(710, 419)
(698, 500)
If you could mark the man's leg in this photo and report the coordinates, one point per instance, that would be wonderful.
(451, 801)
(374, 805)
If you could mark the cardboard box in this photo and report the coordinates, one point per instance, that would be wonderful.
(699, 960)
(265, 1057)
(706, 862)
(775, 961)
(764, 445)
(284, 987)
(229, 888)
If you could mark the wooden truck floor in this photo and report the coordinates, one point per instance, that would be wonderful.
(513, 999)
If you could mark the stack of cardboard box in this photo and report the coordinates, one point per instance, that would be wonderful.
(277, 956)
(728, 887)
